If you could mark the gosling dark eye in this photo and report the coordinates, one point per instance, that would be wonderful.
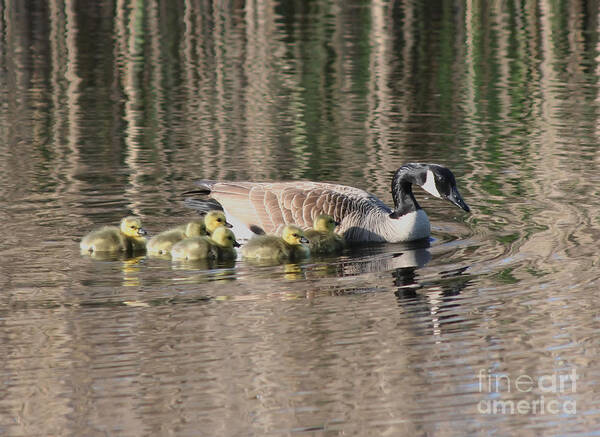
(132, 227)
(219, 220)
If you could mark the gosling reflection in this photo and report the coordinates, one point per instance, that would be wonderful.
(131, 268)
(204, 271)
(203, 264)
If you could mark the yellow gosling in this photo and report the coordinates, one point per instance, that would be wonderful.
(162, 243)
(214, 219)
(323, 239)
(127, 238)
(219, 246)
(291, 246)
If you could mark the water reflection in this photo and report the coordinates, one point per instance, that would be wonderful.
(113, 108)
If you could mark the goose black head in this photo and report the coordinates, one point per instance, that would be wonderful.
(440, 182)
(435, 179)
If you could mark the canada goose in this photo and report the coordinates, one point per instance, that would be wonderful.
(255, 207)
(129, 238)
(161, 243)
(323, 239)
(271, 247)
(220, 245)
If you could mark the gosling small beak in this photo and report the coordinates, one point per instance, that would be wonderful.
(304, 240)
(228, 225)
(457, 199)
(236, 244)
(141, 232)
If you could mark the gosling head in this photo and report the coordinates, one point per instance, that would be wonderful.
(132, 227)
(224, 237)
(214, 219)
(195, 228)
(324, 223)
(293, 235)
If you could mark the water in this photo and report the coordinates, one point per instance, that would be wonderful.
(116, 108)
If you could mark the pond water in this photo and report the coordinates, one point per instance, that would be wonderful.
(112, 108)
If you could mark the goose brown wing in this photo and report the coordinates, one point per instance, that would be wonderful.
(270, 206)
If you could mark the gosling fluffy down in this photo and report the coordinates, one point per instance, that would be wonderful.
(214, 219)
(162, 243)
(289, 247)
(323, 239)
(127, 238)
(219, 246)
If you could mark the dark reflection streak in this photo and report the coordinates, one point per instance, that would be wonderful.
(500, 17)
(293, 81)
(221, 85)
(238, 84)
(57, 78)
(194, 79)
(17, 81)
(379, 104)
(134, 65)
(3, 45)
(413, 297)
(73, 96)
(3, 88)
(596, 50)
(189, 70)
(158, 122)
(117, 86)
(256, 150)
(407, 26)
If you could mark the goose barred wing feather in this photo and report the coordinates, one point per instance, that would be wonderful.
(270, 206)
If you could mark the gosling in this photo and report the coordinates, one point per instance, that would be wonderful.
(214, 219)
(289, 247)
(323, 239)
(127, 238)
(162, 243)
(219, 246)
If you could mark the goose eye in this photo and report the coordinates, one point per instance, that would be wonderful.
(219, 220)
(295, 235)
(132, 227)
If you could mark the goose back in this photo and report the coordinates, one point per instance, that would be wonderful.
(268, 207)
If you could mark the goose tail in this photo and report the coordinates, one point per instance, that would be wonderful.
(202, 206)
(205, 187)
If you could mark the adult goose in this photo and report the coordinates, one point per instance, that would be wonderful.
(266, 207)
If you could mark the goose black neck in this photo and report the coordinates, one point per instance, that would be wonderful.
(404, 200)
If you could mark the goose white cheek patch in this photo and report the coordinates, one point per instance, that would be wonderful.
(429, 184)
